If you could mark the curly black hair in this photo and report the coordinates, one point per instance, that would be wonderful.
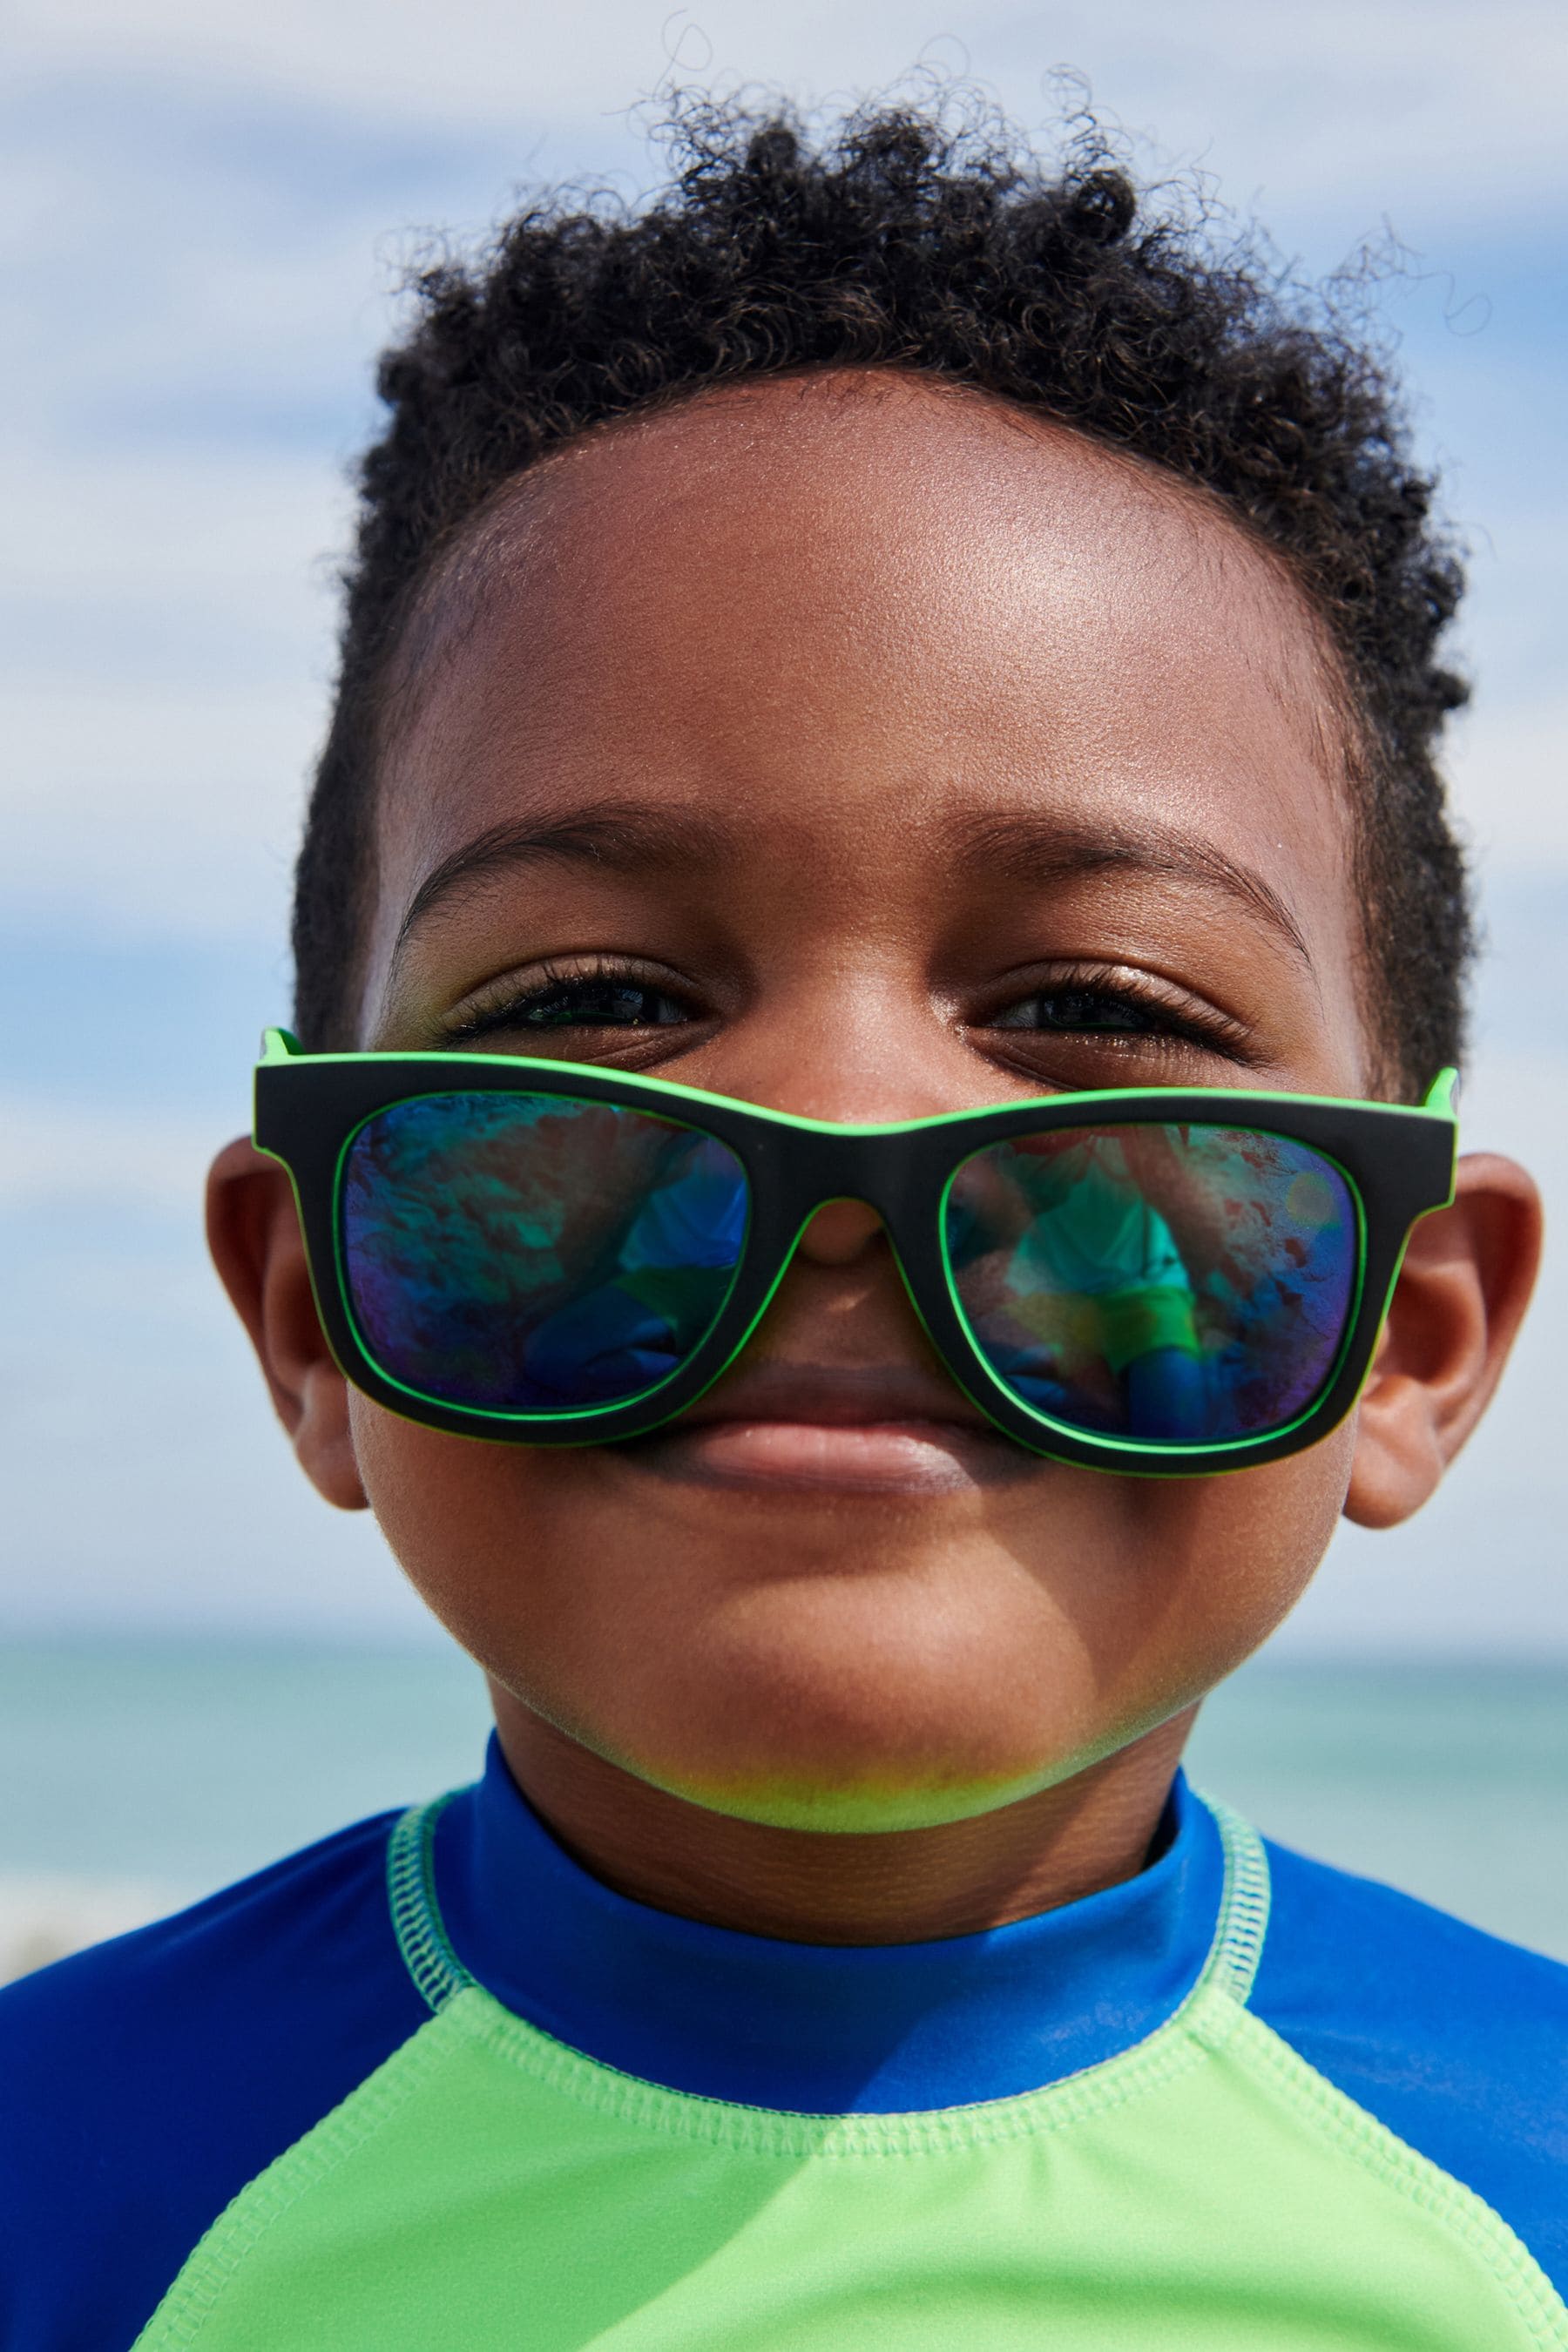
(900, 241)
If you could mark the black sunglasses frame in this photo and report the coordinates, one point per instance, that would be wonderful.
(1398, 1162)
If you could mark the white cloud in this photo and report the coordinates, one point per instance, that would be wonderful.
(1510, 778)
(188, 393)
(164, 684)
(68, 1156)
(1337, 107)
(155, 812)
(212, 524)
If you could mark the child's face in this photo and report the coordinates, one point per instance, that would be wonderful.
(867, 751)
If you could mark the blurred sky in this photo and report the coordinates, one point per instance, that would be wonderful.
(204, 210)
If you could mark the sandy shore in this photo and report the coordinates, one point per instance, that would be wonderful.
(42, 1918)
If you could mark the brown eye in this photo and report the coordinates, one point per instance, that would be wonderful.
(585, 1001)
(597, 1004)
(1077, 1012)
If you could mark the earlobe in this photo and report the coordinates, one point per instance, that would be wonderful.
(1461, 1296)
(253, 1234)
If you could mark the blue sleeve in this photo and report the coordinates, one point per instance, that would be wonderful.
(146, 2081)
(1456, 2041)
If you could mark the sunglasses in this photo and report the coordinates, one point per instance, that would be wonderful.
(1164, 1280)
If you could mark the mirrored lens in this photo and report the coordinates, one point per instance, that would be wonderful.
(527, 1253)
(1182, 1286)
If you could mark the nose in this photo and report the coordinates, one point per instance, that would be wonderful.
(839, 1232)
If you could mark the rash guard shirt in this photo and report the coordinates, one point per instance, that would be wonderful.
(429, 2083)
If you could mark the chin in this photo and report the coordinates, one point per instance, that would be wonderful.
(859, 1805)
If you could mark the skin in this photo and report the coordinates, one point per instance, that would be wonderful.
(890, 720)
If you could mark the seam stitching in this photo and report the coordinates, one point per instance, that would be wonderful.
(1200, 2025)
(1245, 1902)
(303, 2165)
(438, 1975)
(1171, 2050)
(1451, 2202)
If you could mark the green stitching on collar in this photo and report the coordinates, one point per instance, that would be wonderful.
(416, 1911)
(1223, 1986)
(1243, 1904)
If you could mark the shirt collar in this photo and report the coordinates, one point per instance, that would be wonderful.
(821, 2029)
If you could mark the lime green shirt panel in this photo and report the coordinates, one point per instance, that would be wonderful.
(488, 2188)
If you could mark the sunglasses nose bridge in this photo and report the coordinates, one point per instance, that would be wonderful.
(869, 1168)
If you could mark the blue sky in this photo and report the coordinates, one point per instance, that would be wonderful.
(205, 212)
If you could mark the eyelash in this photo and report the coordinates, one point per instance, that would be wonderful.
(1139, 1009)
(1155, 1014)
(529, 1008)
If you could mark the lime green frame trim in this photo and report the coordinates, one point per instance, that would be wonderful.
(1170, 1450)
(281, 1048)
(564, 1412)
(721, 1116)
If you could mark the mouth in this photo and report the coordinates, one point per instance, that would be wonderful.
(831, 1429)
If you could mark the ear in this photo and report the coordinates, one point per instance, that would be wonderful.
(253, 1233)
(1458, 1302)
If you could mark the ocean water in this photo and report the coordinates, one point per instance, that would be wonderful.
(136, 1776)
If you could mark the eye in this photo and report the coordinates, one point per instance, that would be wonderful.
(1075, 1012)
(598, 1004)
(1118, 1011)
(562, 1001)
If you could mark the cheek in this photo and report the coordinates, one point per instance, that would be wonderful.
(1255, 1540)
(1165, 1587)
(482, 1531)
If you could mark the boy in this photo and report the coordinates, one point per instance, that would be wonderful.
(841, 669)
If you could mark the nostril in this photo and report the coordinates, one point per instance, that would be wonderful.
(839, 1231)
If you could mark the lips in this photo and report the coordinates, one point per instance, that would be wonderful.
(873, 1429)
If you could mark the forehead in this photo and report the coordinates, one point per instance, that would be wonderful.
(845, 613)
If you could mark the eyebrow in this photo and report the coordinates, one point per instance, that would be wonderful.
(615, 836)
(1038, 850)
(619, 836)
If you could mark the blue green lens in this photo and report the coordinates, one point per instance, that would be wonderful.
(1179, 1285)
(533, 1253)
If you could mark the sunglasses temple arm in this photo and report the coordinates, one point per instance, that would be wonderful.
(1439, 1098)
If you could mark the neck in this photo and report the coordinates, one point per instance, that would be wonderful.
(900, 1887)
